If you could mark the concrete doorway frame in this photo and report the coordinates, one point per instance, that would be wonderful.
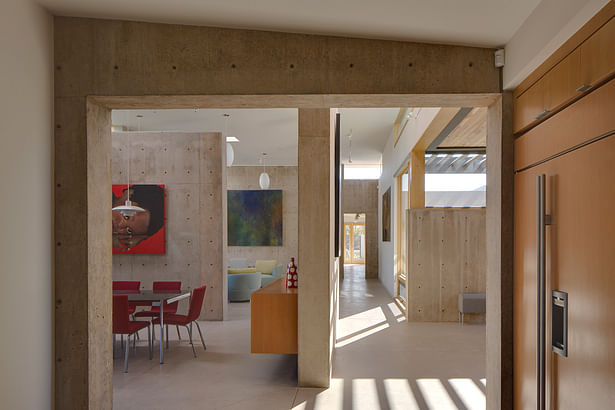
(499, 218)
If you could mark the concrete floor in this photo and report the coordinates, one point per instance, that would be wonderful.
(381, 362)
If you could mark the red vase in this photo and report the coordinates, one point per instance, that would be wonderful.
(291, 275)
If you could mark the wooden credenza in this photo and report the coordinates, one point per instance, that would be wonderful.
(273, 321)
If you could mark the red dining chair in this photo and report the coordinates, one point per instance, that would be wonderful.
(196, 304)
(122, 325)
(174, 286)
(128, 285)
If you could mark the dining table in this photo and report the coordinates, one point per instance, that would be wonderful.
(157, 298)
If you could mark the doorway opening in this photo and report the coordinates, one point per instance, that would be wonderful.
(354, 238)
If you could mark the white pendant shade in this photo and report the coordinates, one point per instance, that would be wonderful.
(230, 155)
(263, 180)
(128, 209)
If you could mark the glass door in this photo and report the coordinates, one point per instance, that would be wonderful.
(354, 243)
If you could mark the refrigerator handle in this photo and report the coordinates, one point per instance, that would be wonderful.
(542, 221)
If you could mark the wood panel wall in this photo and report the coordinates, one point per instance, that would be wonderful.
(446, 257)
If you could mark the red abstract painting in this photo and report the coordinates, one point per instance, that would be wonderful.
(143, 232)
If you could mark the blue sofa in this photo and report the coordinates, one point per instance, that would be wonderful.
(241, 285)
(277, 272)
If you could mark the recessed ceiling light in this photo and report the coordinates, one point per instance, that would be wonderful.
(232, 139)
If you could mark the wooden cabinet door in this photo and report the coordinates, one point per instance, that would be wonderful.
(598, 55)
(529, 105)
(562, 81)
(580, 255)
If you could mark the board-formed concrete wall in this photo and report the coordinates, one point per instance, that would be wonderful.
(361, 196)
(446, 257)
(190, 166)
(160, 65)
(284, 178)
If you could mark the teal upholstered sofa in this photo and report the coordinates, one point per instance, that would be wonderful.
(241, 285)
(277, 272)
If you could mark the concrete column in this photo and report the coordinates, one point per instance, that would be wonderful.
(500, 188)
(315, 263)
(83, 354)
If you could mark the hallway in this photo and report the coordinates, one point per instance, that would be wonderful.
(382, 362)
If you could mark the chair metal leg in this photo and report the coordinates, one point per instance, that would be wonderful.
(134, 343)
(178, 335)
(200, 334)
(190, 331)
(191, 344)
(132, 317)
(149, 343)
(126, 354)
(121, 342)
(167, 335)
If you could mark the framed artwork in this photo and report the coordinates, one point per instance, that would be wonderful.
(143, 232)
(386, 216)
(254, 217)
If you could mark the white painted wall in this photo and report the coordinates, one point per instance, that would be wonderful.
(393, 158)
(551, 23)
(26, 309)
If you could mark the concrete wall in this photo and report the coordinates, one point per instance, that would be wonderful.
(26, 169)
(161, 65)
(190, 166)
(360, 196)
(394, 157)
(446, 249)
(284, 178)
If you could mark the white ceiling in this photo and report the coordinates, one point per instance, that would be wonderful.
(273, 131)
(489, 23)
(371, 128)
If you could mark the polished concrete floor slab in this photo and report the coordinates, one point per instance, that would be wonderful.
(381, 362)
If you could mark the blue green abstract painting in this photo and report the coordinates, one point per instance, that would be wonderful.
(254, 217)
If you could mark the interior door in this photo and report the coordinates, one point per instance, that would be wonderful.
(580, 260)
(354, 243)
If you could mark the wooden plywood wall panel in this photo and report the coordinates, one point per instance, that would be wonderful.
(446, 256)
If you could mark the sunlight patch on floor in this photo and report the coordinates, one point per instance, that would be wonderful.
(469, 393)
(359, 322)
(365, 395)
(332, 398)
(435, 394)
(361, 335)
(399, 395)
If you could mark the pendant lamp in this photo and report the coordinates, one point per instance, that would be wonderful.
(263, 179)
(230, 153)
(128, 209)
